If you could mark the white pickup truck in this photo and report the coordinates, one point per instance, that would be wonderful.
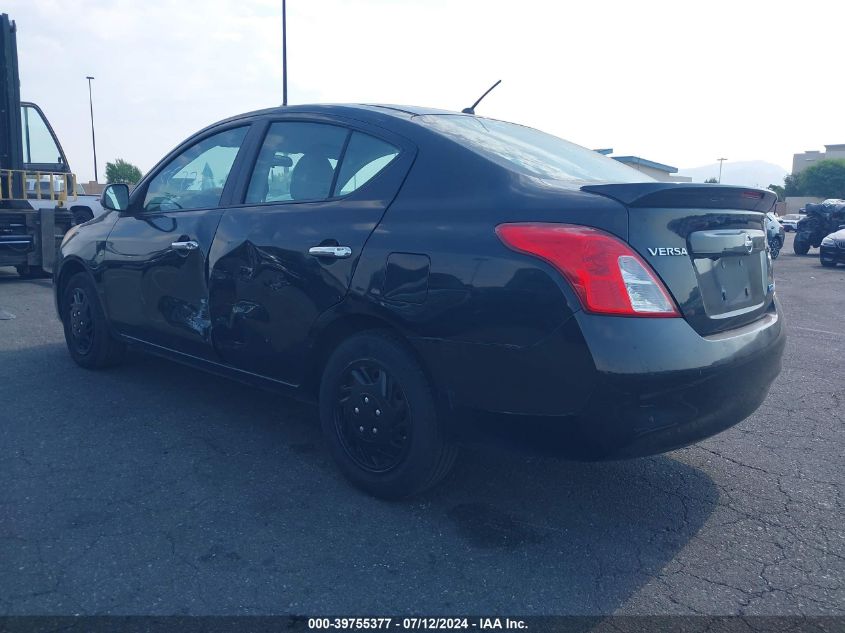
(43, 155)
(40, 201)
(39, 197)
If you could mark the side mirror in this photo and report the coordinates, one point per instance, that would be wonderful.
(115, 197)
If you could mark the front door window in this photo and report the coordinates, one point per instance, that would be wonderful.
(195, 179)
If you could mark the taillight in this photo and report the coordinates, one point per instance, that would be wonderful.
(607, 275)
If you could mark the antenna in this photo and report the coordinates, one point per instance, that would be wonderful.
(284, 54)
(471, 109)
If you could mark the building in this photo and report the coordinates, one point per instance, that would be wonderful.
(658, 171)
(93, 188)
(801, 161)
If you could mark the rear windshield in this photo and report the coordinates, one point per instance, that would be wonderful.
(530, 151)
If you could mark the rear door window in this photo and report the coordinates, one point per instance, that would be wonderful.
(365, 157)
(297, 162)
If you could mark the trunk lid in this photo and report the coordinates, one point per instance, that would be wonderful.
(708, 245)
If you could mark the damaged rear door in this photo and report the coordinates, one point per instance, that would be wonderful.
(154, 271)
(287, 252)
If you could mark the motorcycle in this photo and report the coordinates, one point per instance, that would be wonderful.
(821, 220)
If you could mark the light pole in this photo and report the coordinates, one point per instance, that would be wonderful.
(93, 139)
(284, 54)
(721, 160)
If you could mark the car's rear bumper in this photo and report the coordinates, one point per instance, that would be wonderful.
(832, 254)
(653, 385)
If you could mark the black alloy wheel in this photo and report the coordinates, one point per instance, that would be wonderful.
(380, 418)
(774, 247)
(81, 320)
(372, 417)
(87, 334)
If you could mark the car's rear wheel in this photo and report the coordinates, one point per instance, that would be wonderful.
(774, 247)
(380, 418)
(89, 341)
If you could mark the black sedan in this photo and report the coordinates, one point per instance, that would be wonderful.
(832, 249)
(424, 275)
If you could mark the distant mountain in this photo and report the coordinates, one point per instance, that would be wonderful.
(750, 173)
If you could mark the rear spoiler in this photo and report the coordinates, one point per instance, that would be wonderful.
(687, 195)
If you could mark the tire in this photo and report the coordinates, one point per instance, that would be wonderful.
(774, 247)
(81, 215)
(801, 245)
(89, 341)
(373, 383)
(31, 272)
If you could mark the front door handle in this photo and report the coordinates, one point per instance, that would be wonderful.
(185, 247)
(337, 252)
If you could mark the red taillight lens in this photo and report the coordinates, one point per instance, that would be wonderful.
(607, 275)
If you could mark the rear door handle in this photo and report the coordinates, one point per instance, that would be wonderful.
(337, 252)
(185, 247)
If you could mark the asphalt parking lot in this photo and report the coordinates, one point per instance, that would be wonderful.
(154, 489)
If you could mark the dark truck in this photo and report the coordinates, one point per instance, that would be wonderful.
(820, 220)
(38, 199)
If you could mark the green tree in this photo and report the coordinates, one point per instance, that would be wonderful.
(778, 190)
(121, 171)
(825, 179)
(711, 181)
(792, 185)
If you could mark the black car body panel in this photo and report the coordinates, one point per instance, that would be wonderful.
(686, 196)
(501, 334)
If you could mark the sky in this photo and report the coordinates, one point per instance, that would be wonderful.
(681, 83)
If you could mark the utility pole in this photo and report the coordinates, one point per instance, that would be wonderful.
(284, 54)
(93, 138)
(721, 160)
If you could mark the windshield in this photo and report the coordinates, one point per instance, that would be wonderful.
(530, 151)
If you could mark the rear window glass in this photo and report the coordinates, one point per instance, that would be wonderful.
(365, 157)
(530, 151)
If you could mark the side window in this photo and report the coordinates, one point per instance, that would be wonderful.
(195, 179)
(39, 146)
(365, 157)
(297, 162)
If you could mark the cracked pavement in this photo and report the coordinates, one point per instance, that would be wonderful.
(155, 489)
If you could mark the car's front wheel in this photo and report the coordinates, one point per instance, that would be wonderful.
(774, 247)
(380, 419)
(81, 215)
(801, 245)
(89, 341)
(31, 272)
